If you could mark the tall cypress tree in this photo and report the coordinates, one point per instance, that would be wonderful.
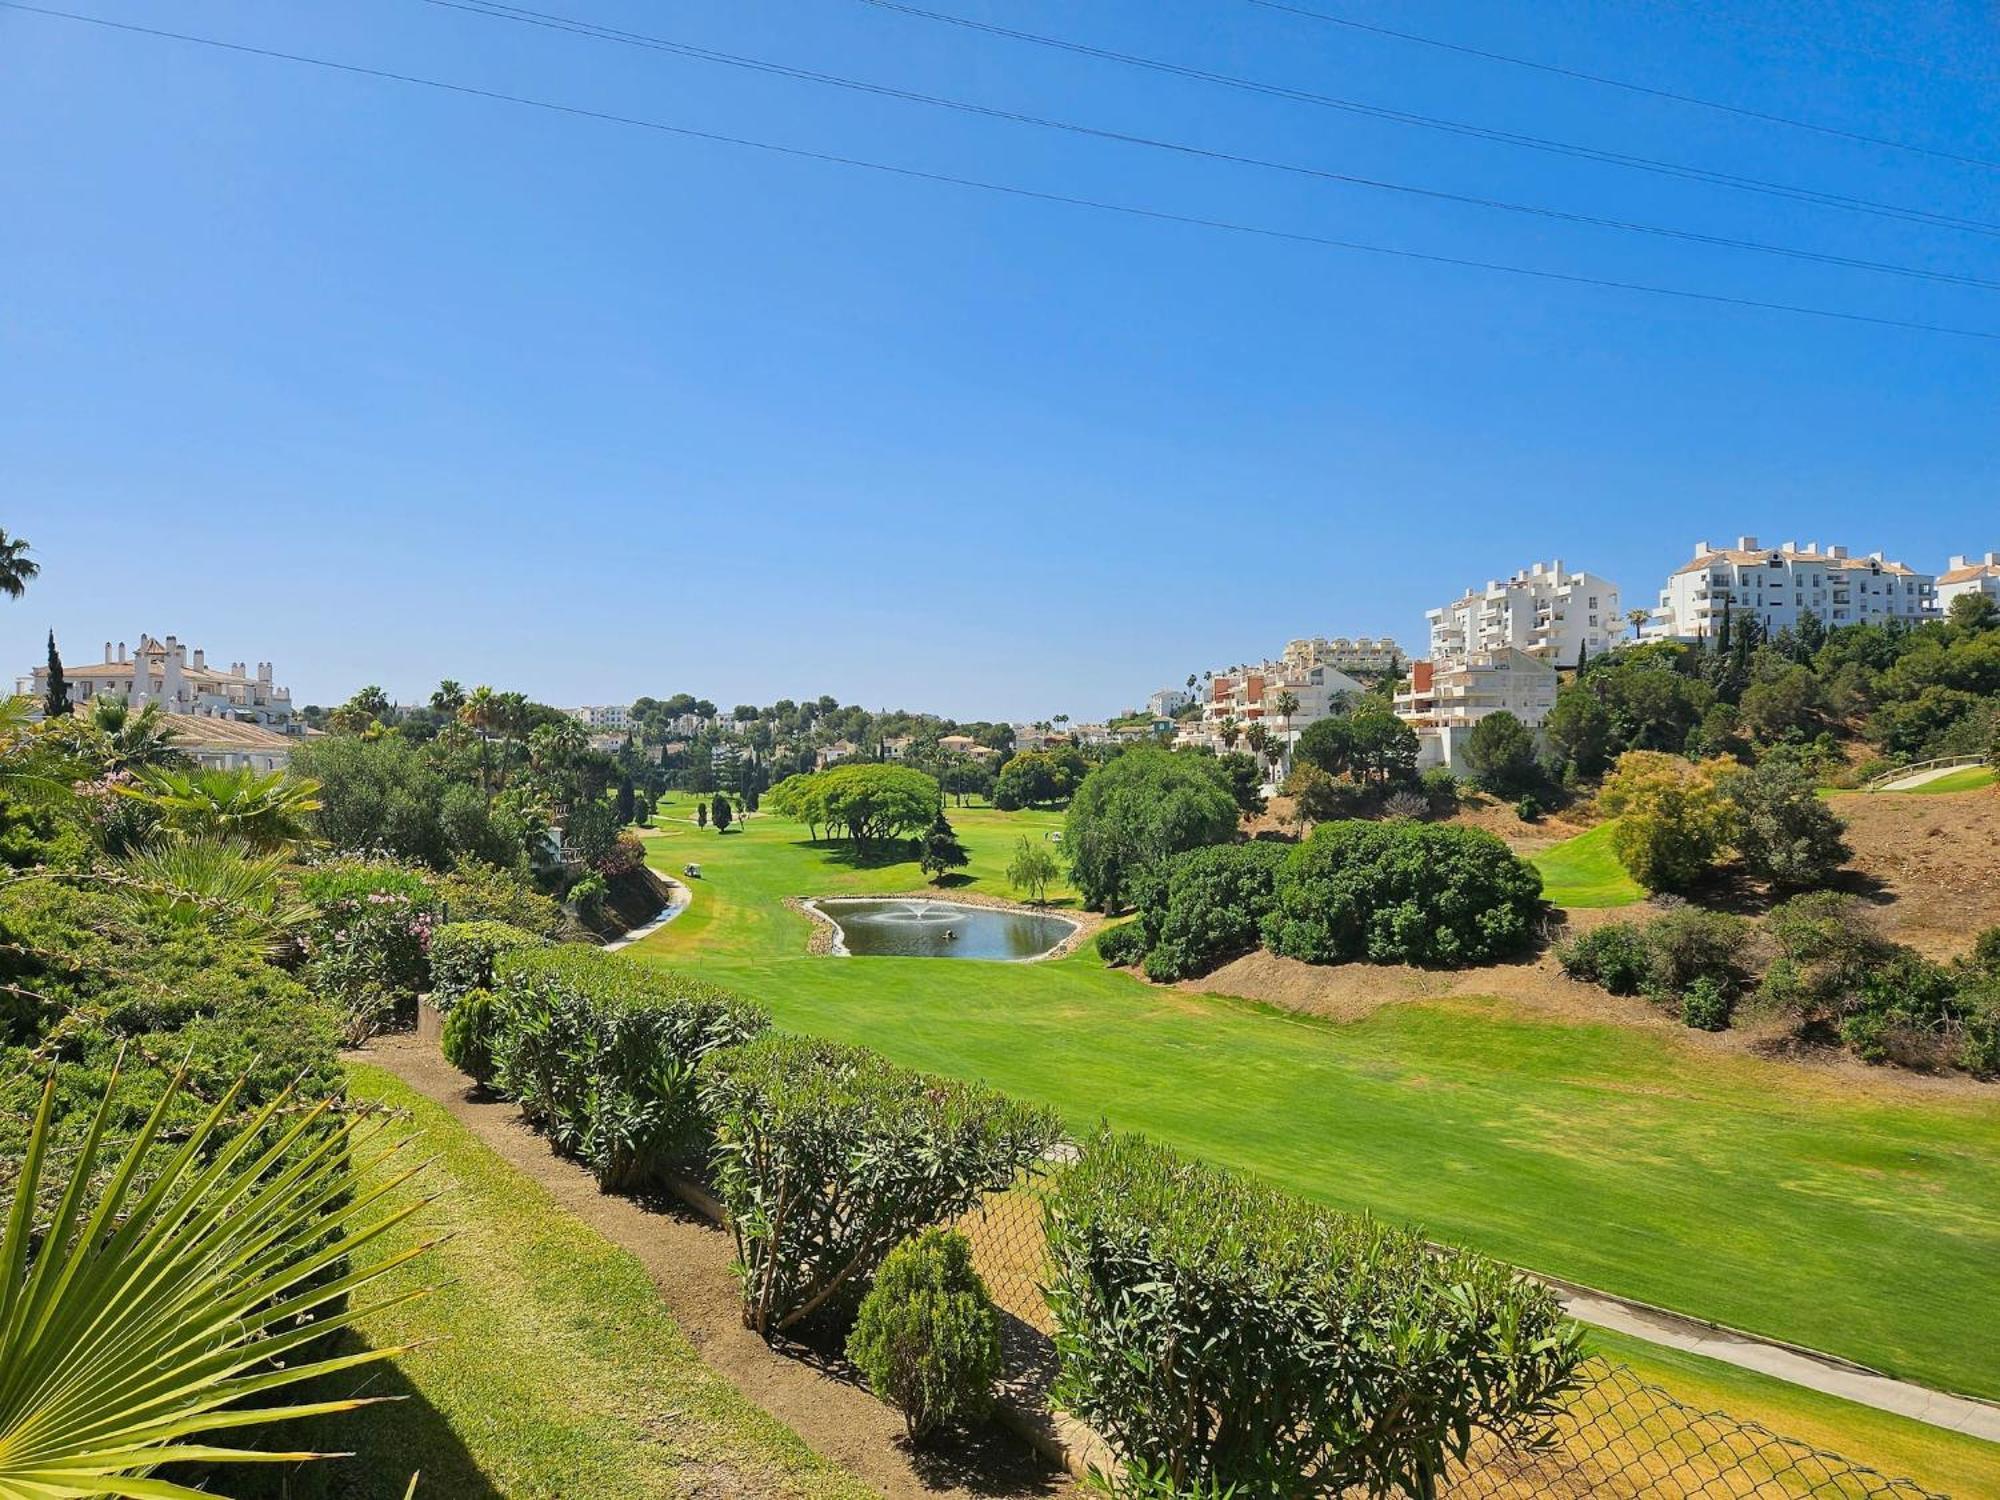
(56, 704)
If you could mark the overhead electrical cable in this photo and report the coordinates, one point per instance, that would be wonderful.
(1038, 195)
(1655, 165)
(498, 10)
(1670, 95)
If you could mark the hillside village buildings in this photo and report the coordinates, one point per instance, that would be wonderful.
(1966, 576)
(1778, 585)
(1546, 611)
(603, 716)
(1443, 698)
(164, 672)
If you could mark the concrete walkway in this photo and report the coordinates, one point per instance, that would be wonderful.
(678, 898)
(1817, 1372)
(1918, 778)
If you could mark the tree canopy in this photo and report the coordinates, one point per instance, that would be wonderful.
(1137, 809)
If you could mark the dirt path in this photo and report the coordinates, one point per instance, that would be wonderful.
(689, 1260)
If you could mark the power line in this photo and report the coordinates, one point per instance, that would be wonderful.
(1649, 91)
(496, 10)
(1037, 195)
(1655, 165)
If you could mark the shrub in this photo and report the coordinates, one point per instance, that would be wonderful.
(827, 1155)
(1500, 753)
(467, 1042)
(1408, 806)
(1979, 1045)
(1237, 1336)
(1613, 956)
(601, 1052)
(1138, 809)
(1528, 809)
(587, 896)
(1320, 797)
(476, 892)
(1411, 892)
(1122, 945)
(462, 955)
(1688, 944)
(1439, 786)
(927, 1338)
(367, 940)
(1985, 955)
(1785, 832)
(1208, 906)
(1674, 817)
(1826, 949)
(1706, 1006)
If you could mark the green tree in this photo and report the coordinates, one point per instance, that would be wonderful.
(265, 812)
(1032, 870)
(701, 815)
(16, 567)
(720, 813)
(1384, 747)
(1500, 752)
(1137, 809)
(448, 699)
(1675, 817)
(55, 704)
(1784, 706)
(1785, 832)
(927, 1337)
(1580, 729)
(939, 851)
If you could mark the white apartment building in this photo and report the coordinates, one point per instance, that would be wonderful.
(1168, 701)
(1546, 610)
(1443, 699)
(163, 672)
(1779, 585)
(1249, 695)
(603, 716)
(1967, 576)
(1345, 654)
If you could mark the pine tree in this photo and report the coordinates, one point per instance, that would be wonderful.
(721, 814)
(56, 704)
(939, 850)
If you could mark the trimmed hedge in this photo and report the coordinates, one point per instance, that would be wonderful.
(1417, 893)
(1209, 907)
(462, 955)
(1234, 1336)
(600, 1051)
(827, 1155)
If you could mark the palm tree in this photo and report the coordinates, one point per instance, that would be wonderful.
(209, 1272)
(264, 813)
(448, 699)
(1229, 731)
(208, 881)
(133, 741)
(1637, 619)
(16, 567)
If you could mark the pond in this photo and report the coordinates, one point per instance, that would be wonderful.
(939, 929)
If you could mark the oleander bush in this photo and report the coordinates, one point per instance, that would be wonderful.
(601, 1052)
(1419, 893)
(1234, 1336)
(827, 1155)
(367, 940)
(1208, 907)
(927, 1337)
(467, 1039)
(462, 955)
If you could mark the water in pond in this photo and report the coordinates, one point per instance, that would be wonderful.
(942, 929)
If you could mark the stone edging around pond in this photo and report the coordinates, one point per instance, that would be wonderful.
(820, 944)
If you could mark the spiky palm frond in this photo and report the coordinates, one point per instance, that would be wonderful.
(265, 812)
(208, 881)
(178, 1304)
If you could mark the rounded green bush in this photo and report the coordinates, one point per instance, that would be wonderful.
(1121, 945)
(1706, 1006)
(927, 1337)
(467, 1042)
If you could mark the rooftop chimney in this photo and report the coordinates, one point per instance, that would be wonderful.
(121, 651)
(1993, 559)
(107, 653)
(1702, 549)
(1836, 551)
(1789, 547)
(1746, 544)
(1964, 562)
(200, 659)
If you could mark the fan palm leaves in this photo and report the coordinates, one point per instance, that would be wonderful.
(180, 1303)
(265, 812)
(16, 567)
(133, 740)
(34, 768)
(206, 880)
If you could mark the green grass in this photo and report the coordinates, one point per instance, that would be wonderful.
(1964, 779)
(1948, 1463)
(1584, 871)
(558, 1371)
(1863, 1221)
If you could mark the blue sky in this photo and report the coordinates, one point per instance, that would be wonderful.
(387, 384)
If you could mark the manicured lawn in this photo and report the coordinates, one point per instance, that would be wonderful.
(1964, 779)
(1948, 1463)
(557, 1371)
(1584, 871)
(1865, 1221)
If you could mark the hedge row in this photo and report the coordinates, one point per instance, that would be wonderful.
(601, 1052)
(463, 953)
(1234, 1337)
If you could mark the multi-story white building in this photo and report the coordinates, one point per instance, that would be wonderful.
(603, 716)
(1168, 701)
(1443, 699)
(1246, 695)
(163, 672)
(1780, 585)
(1344, 654)
(1969, 576)
(1551, 613)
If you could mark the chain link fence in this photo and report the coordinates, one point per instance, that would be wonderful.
(1618, 1438)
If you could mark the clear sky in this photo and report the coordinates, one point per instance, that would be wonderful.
(386, 383)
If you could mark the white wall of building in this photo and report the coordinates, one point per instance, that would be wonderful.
(1778, 585)
(1969, 575)
(1546, 610)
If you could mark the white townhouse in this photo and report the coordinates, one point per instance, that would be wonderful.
(1778, 586)
(1443, 699)
(163, 672)
(1168, 701)
(1345, 654)
(603, 716)
(1545, 610)
(1969, 576)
